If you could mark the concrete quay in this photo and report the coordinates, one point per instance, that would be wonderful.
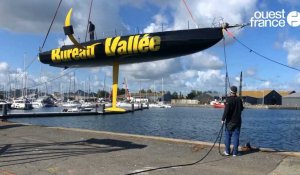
(40, 150)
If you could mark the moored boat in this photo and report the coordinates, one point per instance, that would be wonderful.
(22, 104)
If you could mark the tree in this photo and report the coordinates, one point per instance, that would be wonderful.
(194, 94)
(121, 91)
(142, 91)
(175, 95)
(102, 94)
(180, 96)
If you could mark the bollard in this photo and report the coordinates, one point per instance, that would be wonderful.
(132, 107)
(103, 108)
(4, 112)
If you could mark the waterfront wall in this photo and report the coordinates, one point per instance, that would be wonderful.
(184, 102)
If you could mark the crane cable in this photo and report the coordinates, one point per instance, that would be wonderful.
(226, 66)
(257, 53)
(51, 24)
(87, 26)
(188, 9)
(41, 48)
(53, 79)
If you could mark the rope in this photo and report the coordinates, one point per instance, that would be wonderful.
(226, 66)
(51, 80)
(34, 59)
(259, 54)
(188, 9)
(31, 62)
(87, 26)
(187, 164)
(51, 24)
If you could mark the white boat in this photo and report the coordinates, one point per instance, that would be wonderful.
(88, 105)
(159, 105)
(21, 104)
(38, 103)
(154, 105)
(127, 104)
(71, 104)
(73, 109)
(165, 106)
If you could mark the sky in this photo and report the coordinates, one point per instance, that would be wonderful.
(24, 24)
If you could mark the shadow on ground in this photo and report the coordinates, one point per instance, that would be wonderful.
(21, 153)
(10, 126)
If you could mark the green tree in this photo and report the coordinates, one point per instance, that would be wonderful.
(142, 91)
(149, 91)
(191, 95)
(175, 95)
(121, 91)
(102, 94)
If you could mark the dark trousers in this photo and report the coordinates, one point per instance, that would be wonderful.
(236, 140)
(92, 36)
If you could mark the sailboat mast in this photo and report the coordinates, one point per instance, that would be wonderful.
(226, 79)
(241, 82)
(162, 89)
(104, 86)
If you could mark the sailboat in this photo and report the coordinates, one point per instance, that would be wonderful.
(129, 49)
(160, 104)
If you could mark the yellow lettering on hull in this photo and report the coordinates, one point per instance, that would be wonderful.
(58, 55)
(133, 45)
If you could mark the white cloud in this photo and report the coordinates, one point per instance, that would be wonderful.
(200, 80)
(156, 26)
(3, 67)
(293, 49)
(206, 11)
(250, 72)
(152, 70)
(66, 41)
(204, 60)
(266, 84)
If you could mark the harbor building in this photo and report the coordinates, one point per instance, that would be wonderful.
(292, 100)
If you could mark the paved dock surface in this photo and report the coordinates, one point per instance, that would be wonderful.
(37, 150)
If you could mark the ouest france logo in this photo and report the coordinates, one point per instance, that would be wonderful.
(275, 19)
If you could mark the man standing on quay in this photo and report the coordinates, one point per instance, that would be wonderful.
(233, 121)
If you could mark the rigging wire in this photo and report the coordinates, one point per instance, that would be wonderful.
(51, 24)
(259, 54)
(41, 48)
(187, 164)
(226, 67)
(188, 9)
(31, 62)
(53, 79)
(87, 26)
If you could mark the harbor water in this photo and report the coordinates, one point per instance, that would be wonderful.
(277, 129)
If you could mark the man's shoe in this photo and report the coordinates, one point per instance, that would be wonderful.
(225, 153)
(234, 155)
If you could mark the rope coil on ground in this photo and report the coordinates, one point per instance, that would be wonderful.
(219, 136)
